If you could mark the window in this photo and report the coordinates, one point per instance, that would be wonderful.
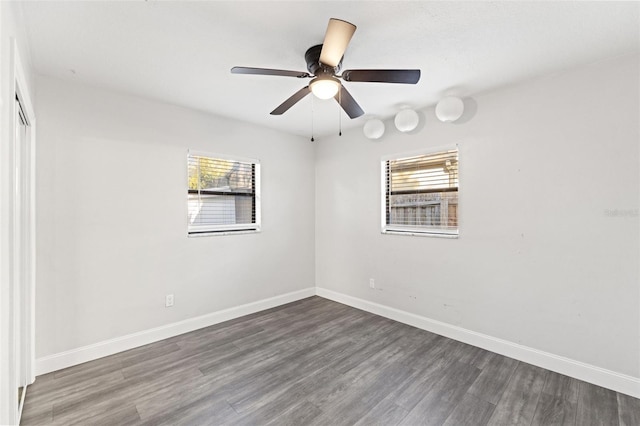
(224, 194)
(420, 194)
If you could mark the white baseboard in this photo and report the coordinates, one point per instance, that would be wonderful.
(109, 347)
(622, 383)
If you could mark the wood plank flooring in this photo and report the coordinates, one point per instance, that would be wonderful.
(317, 362)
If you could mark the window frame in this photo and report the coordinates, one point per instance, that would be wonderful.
(231, 229)
(412, 230)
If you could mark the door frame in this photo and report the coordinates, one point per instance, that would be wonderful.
(17, 239)
(28, 220)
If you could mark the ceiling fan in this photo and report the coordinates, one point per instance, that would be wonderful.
(324, 62)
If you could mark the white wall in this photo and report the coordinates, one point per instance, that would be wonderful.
(112, 211)
(11, 35)
(539, 261)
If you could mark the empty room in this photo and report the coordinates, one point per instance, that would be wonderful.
(319, 213)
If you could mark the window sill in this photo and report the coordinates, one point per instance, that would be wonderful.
(421, 234)
(215, 234)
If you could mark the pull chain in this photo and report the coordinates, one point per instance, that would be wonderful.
(312, 139)
(339, 111)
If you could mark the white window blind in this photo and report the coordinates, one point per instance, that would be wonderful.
(223, 194)
(420, 194)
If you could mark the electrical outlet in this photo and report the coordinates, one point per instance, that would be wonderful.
(168, 301)
(372, 283)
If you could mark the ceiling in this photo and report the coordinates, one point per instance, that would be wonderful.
(181, 52)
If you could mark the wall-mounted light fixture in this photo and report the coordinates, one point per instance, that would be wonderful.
(449, 109)
(406, 120)
(373, 129)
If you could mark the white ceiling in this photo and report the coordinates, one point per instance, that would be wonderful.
(181, 52)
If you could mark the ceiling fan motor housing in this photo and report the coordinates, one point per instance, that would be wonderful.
(315, 67)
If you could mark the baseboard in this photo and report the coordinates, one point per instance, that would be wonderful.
(622, 383)
(109, 347)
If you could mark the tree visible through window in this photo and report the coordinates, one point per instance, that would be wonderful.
(421, 194)
(223, 194)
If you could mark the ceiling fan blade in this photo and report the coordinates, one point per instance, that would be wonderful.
(295, 98)
(382, 76)
(335, 42)
(348, 104)
(268, 71)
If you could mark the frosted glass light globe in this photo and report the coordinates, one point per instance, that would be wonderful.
(406, 120)
(373, 129)
(324, 88)
(449, 109)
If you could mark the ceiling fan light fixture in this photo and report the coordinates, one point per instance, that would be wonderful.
(324, 87)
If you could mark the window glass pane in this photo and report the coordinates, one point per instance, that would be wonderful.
(212, 209)
(425, 172)
(193, 174)
(210, 173)
(436, 209)
(427, 178)
(240, 177)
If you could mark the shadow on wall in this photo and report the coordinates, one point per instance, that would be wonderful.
(470, 111)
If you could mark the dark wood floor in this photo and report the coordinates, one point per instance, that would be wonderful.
(317, 362)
